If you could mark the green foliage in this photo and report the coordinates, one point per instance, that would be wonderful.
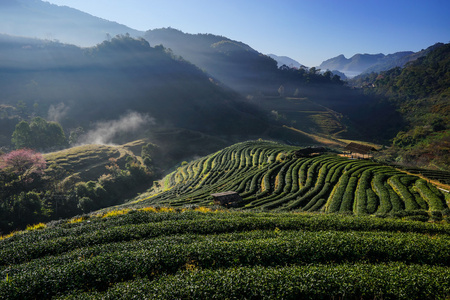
(420, 92)
(274, 179)
(296, 282)
(435, 200)
(38, 134)
(151, 254)
(63, 189)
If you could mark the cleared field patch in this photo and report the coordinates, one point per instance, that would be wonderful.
(304, 114)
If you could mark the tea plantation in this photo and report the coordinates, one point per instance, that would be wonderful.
(270, 176)
(308, 227)
(199, 253)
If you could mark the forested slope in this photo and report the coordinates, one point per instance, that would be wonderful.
(82, 87)
(421, 91)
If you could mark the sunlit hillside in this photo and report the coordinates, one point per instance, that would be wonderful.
(271, 176)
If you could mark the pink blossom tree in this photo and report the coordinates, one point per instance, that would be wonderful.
(21, 172)
(22, 165)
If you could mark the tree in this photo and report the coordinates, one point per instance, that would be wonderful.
(27, 208)
(21, 136)
(22, 163)
(20, 171)
(314, 71)
(19, 168)
(55, 135)
(38, 134)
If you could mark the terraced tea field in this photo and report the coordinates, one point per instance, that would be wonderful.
(269, 176)
(89, 161)
(198, 253)
(161, 246)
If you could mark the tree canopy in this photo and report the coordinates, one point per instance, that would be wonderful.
(38, 134)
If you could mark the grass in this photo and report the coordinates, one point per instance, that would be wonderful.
(303, 113)
(89, 161)
(346, 141)
(327, 141)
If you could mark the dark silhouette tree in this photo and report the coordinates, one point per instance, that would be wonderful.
(38, 134)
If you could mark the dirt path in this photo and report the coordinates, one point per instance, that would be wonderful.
(319, 139)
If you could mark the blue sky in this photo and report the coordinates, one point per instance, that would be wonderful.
(309, 31)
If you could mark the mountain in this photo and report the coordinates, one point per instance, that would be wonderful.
(122, 90)
(81, 87)
(284, 60)
(400, 59)
(368, 63)
(234, 63)
(239, 66)
(39, 19)
(352, 66)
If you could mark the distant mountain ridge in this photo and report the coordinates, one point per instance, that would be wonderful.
(285, 60)
(367, 63)
(39, 19)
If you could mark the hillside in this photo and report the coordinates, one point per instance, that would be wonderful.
(89, 161)
(303, 114)
(121, 81)
(168, 165)
(40, 19)
(199, 253)
(272, 176)
(56, 81)
(231, 62)
(420, 91)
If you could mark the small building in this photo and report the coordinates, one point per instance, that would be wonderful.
(358, 150)
(228, 199)
(309, 152)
